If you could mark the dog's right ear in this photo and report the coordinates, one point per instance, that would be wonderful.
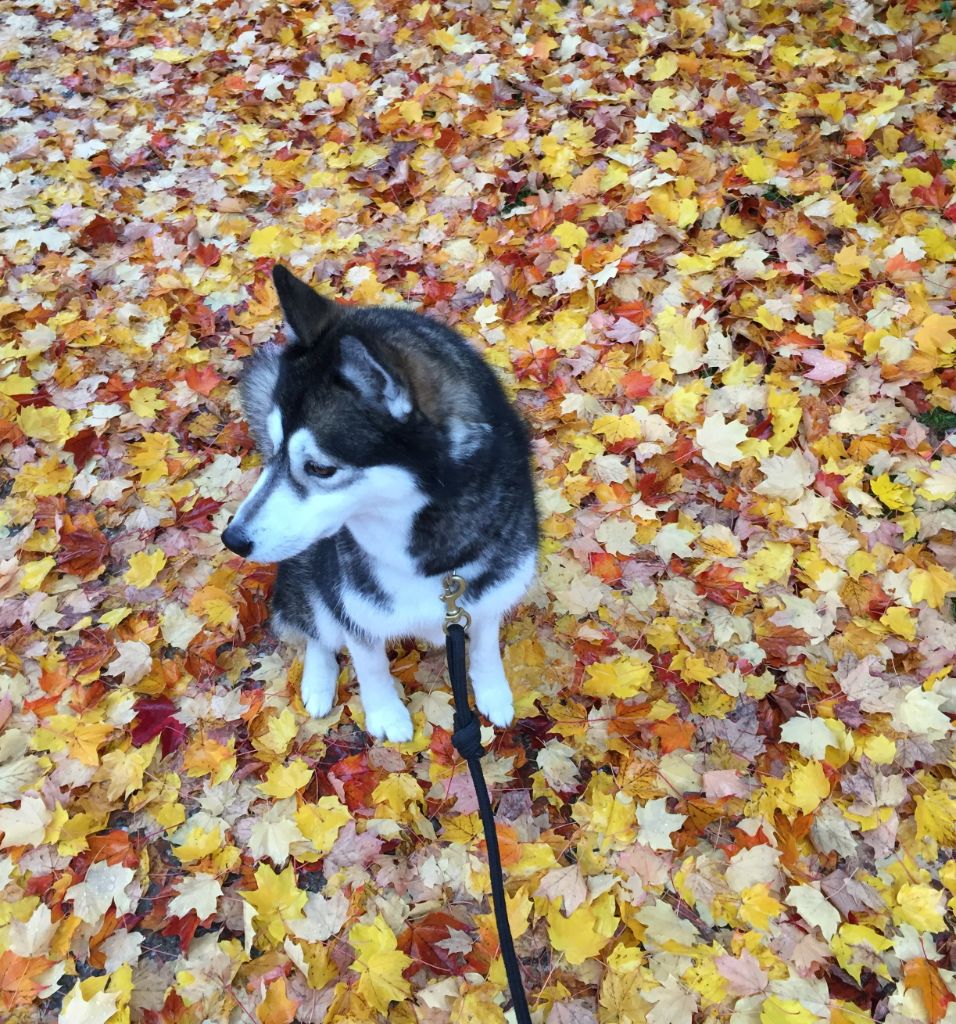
(307, 314)
(257, 389)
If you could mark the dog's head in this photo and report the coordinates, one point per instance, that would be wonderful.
(346, 421)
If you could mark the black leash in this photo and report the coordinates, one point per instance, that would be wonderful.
(467, 741)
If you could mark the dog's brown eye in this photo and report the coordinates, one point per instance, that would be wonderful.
(323, 472)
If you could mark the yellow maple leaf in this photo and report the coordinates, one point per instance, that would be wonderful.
(850, 936)
(322, 969)
(922, 906)
(73, 837)
(306, 91)
(800, 791)
(682, 340)
(622, 993)
(46, 423)
(900, 621)
(617, 428)
(880, 749)
(664, 67)
(199, 844)
(124, 769)
(149, 456)
(519, 911)
(588, 449)
(947, 875)
(582, 935)
(838, 281)
(936, 816)
(144, 566)
(320, 823)
(273, 240)
(623, 677)
(680, 211)
(570, 236)
(17, 384)
(831, 104)
(791, 56)
(777, 1010)
(611, 816)
(616, 174)
(34, 573)
(757, 168)
(276, 901)
(938, 245)
(463, 828)
(86, 738)
(932, 585)
(214, 605)
(772, 562)
(379, 964)
(282, 780)
(809, 786)
(411, 111)
(851, 262)
(145, 402)
(893, 495)
(279, 733)
(478, 1006)
(206, 756)
(171, 55)
(758, 907)
(393, 795)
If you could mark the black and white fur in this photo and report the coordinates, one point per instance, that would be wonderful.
(392, 456)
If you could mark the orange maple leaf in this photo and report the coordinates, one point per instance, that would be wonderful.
(19, 984)
(925, 978)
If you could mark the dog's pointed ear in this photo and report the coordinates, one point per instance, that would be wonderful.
(307, 314)
(372, 380)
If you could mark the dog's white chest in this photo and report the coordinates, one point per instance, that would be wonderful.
(412, 605)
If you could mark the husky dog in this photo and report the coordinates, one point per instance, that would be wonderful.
(392, 457)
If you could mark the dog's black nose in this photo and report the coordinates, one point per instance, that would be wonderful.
(236, 540)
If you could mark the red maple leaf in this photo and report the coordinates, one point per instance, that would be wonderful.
(936, 194)
(637, 384)
(154, 717)
(198, 517)
(207, 254)
(99, 231)
(84, 445)
(91, 653)
(717, 585)
(202, 380)
(605, 566)
(84, 548)
(421, 939)
(357, 779)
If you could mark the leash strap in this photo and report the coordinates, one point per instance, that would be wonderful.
(467, 741)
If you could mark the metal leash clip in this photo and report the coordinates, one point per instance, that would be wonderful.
(454, 588)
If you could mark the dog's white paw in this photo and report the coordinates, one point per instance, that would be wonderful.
(390, 722)
(318, 700)
(496, 705)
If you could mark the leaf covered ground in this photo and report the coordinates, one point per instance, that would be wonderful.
(710, 247)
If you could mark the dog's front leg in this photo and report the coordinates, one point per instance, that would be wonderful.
(320, 676)
(488, 679)
(386, 717)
